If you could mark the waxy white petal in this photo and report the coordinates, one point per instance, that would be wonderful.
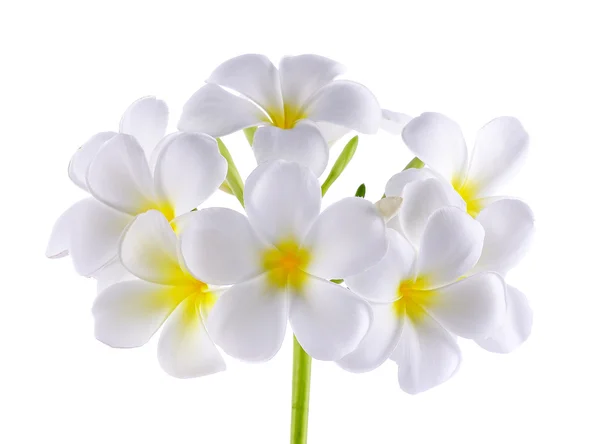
(509, 228)
(346, 239)
(332, 132)
(214, 111)
(345, 103)
(120, 177)
(220, 247)
(189, 170)
(146, 119)
(185, 349)
(381, 281)
(381, 339)
(249, 320)
(422, 198)
(95, 238)
(397, 183)
(282, 200)
(80, 162)
(148, 250)
(437, 141)
(127, 314)
(303, 144)
(515, 327)
(303, 75)
(328, 320)
(427, 355)
(112, 273)
(254, 76)
(393, 122)
(500, 150)
(451, 245)
(471, 307)
(60, 238)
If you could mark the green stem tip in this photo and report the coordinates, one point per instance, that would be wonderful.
(300, 394)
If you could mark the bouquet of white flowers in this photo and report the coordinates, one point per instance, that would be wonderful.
(360, 282)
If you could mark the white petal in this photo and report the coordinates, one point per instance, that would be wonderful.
(328, 320)
(472, 307)
(282, 200)
(303, 75)
(189, 170)
(500, 150)
(427, 355)
(94, 240)
(421, 199)
(159, 148)
(120, 177)
(112, 273)
(397, 183)
(332, 132)
(381, 281)
(60, 238)
(146, 119)
(450, 247)
(249, 320)
(381, 339)
(254, 76)
(437, 141)
(148, 250)
(345, 103)
(80, 162)
(346, 239)
(127, 314)
(515, 326)
(388, 207)
(214, 111)
(220, 247)
(393, 122)
(508, 225)
(303, 144)
(185, 350)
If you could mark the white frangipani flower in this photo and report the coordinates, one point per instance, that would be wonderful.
(186, 168)
(421, 300)
(299, 108)
(280, 260)
(127, 314)
(509, 228)
(499, 151)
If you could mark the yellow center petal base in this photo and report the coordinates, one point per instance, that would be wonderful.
(284, 265)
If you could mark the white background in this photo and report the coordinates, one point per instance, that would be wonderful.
(69, 69)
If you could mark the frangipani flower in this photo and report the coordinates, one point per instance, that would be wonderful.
(508, 224)
(113, 167)
(499, 151)
(127, 314)
(299, 108)
(280, 259)
(421, 300)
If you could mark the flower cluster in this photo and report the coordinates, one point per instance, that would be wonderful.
(359, 282)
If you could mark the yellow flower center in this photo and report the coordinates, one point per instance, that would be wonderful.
(469, 191)
(287, 118)
(284, 265)
(413, 299)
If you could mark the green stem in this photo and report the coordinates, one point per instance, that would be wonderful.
(415, 163)
(300, 394)
(233, 179)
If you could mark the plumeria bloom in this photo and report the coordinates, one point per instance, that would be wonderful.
(508, 224)
(300, 108)
(127, 314)
(280, 259)
(421, 301)
(500, 148)
(184, 170)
